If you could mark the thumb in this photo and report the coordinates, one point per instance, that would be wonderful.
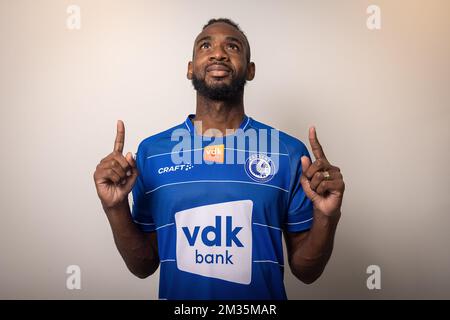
(133, 172)
(306, 185)
(128, 186)
(130, 160)
(305, 164)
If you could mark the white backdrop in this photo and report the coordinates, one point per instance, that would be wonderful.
(379, 100)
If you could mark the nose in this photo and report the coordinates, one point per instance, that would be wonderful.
(219, 54)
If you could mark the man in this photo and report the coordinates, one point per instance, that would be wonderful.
(212, 214)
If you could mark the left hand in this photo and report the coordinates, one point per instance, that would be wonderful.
(325, 192)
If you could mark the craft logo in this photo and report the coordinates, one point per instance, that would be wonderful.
(180, 167)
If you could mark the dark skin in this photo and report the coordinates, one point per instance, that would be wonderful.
(220, 43)
(309, 252)
(220, 55)
(114, 178)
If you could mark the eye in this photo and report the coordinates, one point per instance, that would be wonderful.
(233, 46)
(205, 45)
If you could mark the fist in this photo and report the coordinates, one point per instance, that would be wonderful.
(116, 174)
(322, 182)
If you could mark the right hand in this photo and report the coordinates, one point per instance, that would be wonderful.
(116, 174)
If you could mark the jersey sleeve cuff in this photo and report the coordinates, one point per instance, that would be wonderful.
(142, 221)
(146, 227)
(299, 220)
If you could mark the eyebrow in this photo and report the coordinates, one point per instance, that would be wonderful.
(235, 40)
(203, 38)
(230, 38)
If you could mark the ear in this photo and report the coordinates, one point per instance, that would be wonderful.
(190, 70)
(251, 71)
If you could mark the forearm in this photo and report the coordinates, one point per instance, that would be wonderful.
(310, 258)
(136, 248)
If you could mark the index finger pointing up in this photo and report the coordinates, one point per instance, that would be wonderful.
(315, 145)
(120, 137)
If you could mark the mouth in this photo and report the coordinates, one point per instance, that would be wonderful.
(218, 70)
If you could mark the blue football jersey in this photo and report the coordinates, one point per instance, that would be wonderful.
(219, 206)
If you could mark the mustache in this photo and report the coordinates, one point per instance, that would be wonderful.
(218, 63)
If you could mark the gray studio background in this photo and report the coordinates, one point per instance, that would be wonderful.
(379, 99)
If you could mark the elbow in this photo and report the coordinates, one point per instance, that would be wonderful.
(308, 279)
(307, 275)
(145, 271)
(140, 274)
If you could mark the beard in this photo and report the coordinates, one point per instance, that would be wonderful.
(221, 91)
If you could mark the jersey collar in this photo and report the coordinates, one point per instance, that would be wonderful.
(190, 125)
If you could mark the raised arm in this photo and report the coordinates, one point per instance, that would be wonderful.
(309, 252)
(114, 178)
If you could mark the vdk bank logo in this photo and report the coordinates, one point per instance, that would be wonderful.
(216, 241)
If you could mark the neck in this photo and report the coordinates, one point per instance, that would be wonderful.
(219, 115)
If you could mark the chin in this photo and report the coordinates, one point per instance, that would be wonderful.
(218, 82)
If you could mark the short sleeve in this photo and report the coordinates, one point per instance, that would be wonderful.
(300, 208)
(141, 211)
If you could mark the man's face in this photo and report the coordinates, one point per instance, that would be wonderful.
(219, 69)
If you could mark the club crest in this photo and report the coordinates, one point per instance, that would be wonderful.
(260, 168)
